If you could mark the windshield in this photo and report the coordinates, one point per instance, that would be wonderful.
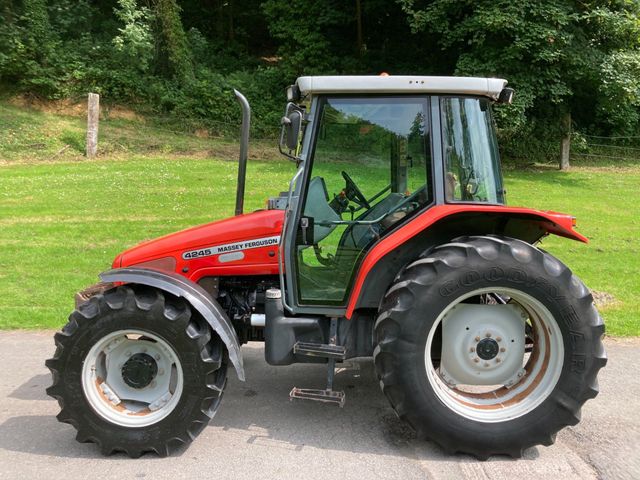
(472, 162)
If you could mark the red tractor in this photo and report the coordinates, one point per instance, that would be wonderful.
(392, 242)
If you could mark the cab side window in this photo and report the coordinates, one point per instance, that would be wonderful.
(472, 163)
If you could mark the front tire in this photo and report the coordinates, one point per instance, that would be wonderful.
(136, 371)
(446, 330)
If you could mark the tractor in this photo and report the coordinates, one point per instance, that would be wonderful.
(393, 241)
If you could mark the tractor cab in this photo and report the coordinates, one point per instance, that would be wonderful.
(374, 152)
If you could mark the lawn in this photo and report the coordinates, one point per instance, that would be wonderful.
(63, 219)
(605, 202)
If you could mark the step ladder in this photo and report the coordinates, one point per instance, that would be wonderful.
(331, 351)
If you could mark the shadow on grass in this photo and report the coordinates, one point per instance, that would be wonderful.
(75, 140)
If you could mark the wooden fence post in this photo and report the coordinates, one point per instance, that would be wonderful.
(565, 143)
(93, 116)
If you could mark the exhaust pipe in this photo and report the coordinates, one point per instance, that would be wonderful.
(244, 150)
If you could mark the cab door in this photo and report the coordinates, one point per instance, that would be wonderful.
(368, 169)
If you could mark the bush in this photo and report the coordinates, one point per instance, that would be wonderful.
(208, 100)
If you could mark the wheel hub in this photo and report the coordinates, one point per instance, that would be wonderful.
(482, 344)
(132, 378)
(140, 370)
(487, 349)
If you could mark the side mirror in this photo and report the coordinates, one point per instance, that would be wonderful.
(291, 130)
(292, 125)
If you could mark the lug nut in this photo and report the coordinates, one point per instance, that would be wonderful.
(477, 339)
(486, 364)
(498, 360)
(128, 354)
(472, 349)
(499, 339)
(488, 335)
(157, 357)
(503, 349)
(476, 360)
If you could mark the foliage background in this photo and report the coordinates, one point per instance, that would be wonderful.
(180, 58)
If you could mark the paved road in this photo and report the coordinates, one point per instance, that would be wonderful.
(258, 433)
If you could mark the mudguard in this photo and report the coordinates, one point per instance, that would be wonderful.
(193, 293)
(441, 224)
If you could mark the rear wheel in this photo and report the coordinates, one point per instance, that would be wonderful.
(488, 346)
(136, 371)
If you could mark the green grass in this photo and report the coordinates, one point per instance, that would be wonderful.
(63, 219)
(33, 136)
(61, 224)
(605, 202)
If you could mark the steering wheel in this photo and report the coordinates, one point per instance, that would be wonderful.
(353, 193)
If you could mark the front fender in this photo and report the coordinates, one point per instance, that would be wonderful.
(193, 293)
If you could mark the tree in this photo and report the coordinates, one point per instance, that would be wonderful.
(135, 37)
(173, 53)
(37, 29)
(307, 31)
(563, 57)
(27, 46)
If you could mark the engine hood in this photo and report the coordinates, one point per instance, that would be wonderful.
(204, 246)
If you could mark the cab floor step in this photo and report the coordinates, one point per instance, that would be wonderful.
(327, 396)
(324, 350)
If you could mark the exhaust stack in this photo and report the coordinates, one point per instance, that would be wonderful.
(244, 149)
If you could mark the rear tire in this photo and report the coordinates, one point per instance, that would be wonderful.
(408, 362)
(176, 343)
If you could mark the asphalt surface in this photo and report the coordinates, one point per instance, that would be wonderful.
(259, 433)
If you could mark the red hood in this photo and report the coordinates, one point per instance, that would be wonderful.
(262, 223)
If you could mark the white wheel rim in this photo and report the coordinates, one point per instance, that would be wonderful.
(542, 368)
(116, 401)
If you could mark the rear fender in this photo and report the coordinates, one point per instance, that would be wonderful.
(441, 224)
(193, 293)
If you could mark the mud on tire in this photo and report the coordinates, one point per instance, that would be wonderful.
(424, 290)
(200, 354)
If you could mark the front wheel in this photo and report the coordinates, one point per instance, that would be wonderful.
(136, 371)
(488, 346)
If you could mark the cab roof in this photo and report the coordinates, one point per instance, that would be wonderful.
(487, 87)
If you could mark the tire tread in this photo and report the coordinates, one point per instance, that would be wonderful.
(413, 279)
(134, 298)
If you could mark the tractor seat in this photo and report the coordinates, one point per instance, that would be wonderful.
(317, 207)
